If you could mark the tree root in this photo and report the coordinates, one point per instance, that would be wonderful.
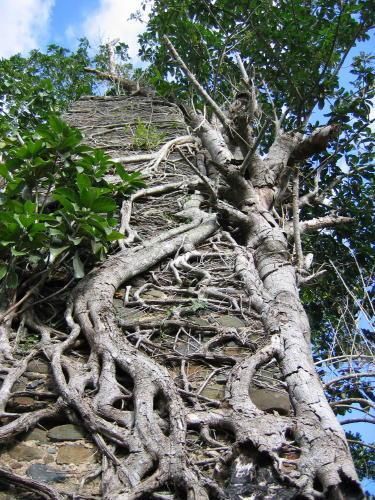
(167, 390)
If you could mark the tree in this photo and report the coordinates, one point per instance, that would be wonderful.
(240, 188)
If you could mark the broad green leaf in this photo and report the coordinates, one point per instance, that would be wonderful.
(88, 197)
(103, 205)
(12, 279)
(79, 270)
(115, 235)
(83, 181)
(4, 172)
(18, 253)
(56, 251)
(3, 270)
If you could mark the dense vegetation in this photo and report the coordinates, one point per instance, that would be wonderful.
(60, 215)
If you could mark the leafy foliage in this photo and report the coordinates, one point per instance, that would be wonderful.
(364, 456)
(33, 87)
(268, 35)
(146, 136)
(56, 203)
(39, 84)
(115, 54)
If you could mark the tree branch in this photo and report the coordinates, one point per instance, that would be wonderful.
(361, 401)
(195, 82)
(248, 158)
(344, 356)
(367, 420)
(323, 222)
(367, 445)
(296, 222)
(204, 178)
(315, 143)
(311, 225)
(131, 86)
(158, 156)
(347, 377)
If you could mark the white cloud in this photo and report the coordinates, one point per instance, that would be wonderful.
(343, 166)
(23, 24)
(110, 21)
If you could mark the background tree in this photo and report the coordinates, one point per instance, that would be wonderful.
(256, 183)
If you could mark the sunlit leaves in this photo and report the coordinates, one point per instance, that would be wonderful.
(295, 47)
(34, 86)
(55, 203)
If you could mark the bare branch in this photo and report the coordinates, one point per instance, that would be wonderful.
(248, 158)
(307, 280)
(367, 420)
(244, 75)
(204, 178)
(160, 155)
(296, 222)
(362, 401)
(311, 225)
(131, 86)
(195, 82)
(347, 377)
(233, 212)
(344, 356)
(367, 445)
(315, 143)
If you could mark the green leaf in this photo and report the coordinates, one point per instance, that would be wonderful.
(29, 207)
(76, 241)
(83, 181)
(115, 235)
(68, 206)
(17, 253)
(79, 270)
(12, 279)
(56, 124)
(68, 193)
(87, 197)
(3, 270)
(4, 172)
(55, 252)
(104, 205)
(121, 172)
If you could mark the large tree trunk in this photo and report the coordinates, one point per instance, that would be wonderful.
(187, 357)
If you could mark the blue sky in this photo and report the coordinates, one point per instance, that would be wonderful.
(30, 24)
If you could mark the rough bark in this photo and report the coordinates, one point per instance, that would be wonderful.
(166, 346)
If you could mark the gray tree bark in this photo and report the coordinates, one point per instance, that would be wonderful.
(186, 353)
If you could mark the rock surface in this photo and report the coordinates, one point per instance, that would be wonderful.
(67, 432)
(37, 435)
(38, 366)
(45, 474)
(268, 400)
(74, 454)
(230, 321)
(24, 452)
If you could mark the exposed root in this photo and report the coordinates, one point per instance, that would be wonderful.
(168, 349)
